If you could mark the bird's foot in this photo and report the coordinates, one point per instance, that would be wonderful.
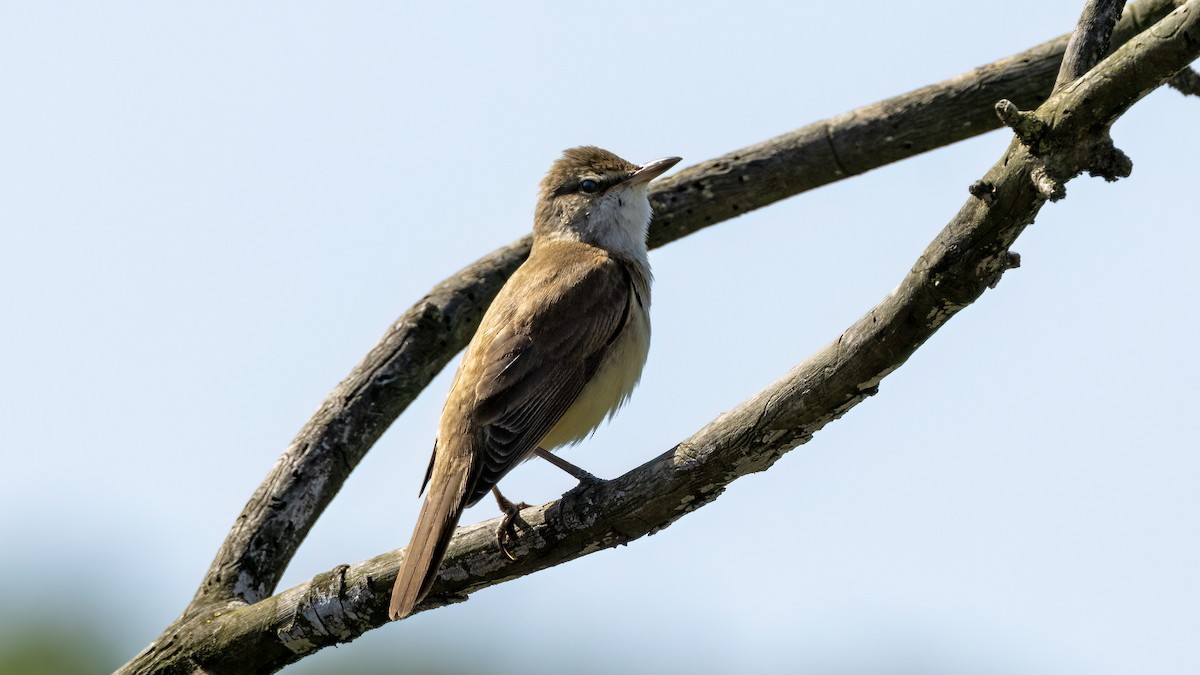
(506, 533)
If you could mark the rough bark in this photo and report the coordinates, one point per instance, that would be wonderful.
(1068, 134)
(1089, 42)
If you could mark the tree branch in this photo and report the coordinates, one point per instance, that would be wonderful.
(866, 138)
(1089, 42)
(966, 258)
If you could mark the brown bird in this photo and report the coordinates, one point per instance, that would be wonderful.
(561, 347)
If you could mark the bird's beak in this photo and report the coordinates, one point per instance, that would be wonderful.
(651, 170)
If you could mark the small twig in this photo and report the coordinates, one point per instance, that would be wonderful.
(1027, 126)
(1186, 82)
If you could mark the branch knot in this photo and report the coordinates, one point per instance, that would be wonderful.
(983, 191)
(1029, 128)
(1106, 161)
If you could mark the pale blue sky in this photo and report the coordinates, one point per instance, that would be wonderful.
(210, 212)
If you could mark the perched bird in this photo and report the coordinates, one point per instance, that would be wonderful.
(560, 347)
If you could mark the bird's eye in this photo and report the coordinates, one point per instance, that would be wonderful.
(589, 187)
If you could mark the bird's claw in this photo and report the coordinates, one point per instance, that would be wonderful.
(506, 533)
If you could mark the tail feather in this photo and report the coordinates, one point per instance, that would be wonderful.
(444, 504)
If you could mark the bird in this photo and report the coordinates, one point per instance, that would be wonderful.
(560, 348)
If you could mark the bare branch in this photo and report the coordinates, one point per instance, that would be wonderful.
(966, 258)
(867, 138)
(1089, 41)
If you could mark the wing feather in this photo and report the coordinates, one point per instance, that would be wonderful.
(543, 355)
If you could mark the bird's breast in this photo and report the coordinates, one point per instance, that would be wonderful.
(612, 383)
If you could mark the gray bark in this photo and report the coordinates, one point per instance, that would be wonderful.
(1089, 42)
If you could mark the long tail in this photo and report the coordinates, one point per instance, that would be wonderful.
(444, 504)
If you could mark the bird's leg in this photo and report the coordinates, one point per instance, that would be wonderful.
(577, 473)
(507, 532)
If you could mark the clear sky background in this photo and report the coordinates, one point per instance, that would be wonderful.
(209, 212)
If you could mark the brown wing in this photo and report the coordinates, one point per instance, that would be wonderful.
(575, 308)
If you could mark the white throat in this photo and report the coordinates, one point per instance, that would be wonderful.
(619, 220)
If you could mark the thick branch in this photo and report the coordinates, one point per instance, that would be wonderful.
(966, 258)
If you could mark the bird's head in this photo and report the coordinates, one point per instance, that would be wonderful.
(594, 196)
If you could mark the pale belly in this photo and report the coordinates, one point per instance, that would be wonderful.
(609, 388)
